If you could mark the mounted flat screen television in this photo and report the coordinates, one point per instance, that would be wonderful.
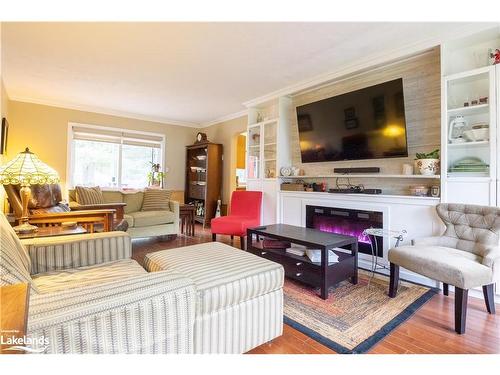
(364, 124)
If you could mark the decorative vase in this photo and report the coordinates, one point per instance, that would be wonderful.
(427, 167)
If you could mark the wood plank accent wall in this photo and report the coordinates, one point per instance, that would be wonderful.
(422, 90)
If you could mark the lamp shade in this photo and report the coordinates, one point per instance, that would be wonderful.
(26, 169)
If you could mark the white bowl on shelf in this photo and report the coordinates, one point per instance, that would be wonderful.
(477, 135)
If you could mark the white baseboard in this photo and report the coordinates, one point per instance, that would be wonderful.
(416, 278)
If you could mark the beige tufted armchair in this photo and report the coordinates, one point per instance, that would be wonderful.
(466, 255)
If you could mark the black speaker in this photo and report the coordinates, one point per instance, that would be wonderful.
(372, 191)
(356, 170)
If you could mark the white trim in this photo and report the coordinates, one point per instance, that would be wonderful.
(103, 111)
(69, 159)
(218, 120)
(369, 63)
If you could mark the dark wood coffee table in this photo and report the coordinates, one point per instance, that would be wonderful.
(301, 268)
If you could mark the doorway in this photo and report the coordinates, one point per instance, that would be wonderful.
(241, 157)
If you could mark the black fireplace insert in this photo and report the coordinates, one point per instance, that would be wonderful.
(347, 221)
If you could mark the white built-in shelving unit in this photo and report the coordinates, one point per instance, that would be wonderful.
(467, 75)
(268, 151)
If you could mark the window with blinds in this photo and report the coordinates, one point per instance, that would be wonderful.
(113, 158)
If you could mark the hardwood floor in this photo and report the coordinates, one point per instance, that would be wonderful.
(429, 331)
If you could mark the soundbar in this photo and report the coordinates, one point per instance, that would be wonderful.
(372, 191)
(355, 190)
(356, 170)
(351, 190)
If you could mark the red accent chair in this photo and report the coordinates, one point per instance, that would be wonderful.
(244, 213)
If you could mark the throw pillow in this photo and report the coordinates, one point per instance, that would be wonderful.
(156, 199)
(89, 195)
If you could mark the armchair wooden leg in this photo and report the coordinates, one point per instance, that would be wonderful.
(232, 238)
(242, 242)
(489, 299)
(394, 281)
(445, 289)
(460, 309)
(214, 237)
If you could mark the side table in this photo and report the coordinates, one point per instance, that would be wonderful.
(13, 315)
(186, 216)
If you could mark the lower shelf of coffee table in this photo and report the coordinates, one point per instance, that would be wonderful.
(302, 269)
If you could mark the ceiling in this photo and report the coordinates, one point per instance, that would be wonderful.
(188, 73)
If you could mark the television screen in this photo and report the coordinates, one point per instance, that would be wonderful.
(363, 124)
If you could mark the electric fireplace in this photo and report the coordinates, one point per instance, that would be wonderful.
(349, 222)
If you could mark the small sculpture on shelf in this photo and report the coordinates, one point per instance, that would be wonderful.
(495, 56)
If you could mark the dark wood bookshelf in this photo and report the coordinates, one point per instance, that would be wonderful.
(203, 178)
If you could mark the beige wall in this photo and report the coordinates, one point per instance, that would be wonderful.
(44, 130)
(226, 133)
(4, 100)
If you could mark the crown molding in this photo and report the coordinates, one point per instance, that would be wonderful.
(103, 111)
(371, 63)
(218, 120)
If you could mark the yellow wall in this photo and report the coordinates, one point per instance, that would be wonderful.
(227, 133)
(44, 130)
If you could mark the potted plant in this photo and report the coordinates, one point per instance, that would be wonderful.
(427, 163)
(155, 177)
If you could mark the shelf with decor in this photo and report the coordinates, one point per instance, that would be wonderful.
(203, 179)
(470, 110)
(469, 144)
(264, 122)
(365, 175)
(268, 150)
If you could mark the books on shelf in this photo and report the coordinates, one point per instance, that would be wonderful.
(297, 250)
(315, 256)
(275, 244)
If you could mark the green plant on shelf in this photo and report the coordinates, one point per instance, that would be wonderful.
(427, 155)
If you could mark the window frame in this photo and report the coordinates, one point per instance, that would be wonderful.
(70, 151)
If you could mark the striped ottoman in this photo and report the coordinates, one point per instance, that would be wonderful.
(239, 295)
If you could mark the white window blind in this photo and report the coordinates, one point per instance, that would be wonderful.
(116, 136)
(113, 158)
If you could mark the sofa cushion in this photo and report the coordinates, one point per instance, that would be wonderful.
(112, 196)
(129, 219)
(224, 276)
(85, 276)
(134, 201)
(89, 195)
(156, 199)
(451, 266)
(15, 264)
(149, 218)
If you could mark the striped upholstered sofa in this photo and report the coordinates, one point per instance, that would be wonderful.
(88, 296)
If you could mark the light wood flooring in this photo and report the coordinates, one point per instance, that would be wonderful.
(428, 331)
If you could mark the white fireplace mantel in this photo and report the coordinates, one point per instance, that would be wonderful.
(416, 215)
